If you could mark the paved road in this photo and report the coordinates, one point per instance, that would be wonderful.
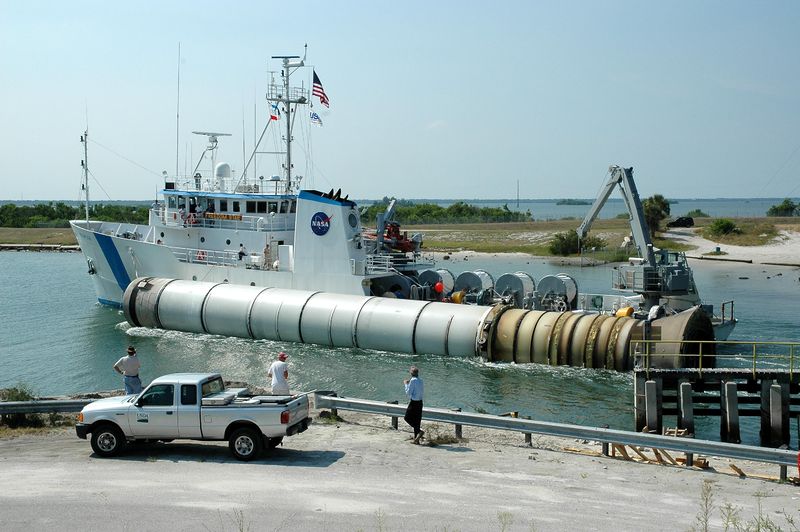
(358, 477)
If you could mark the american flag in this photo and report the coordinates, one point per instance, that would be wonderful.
(317, 90)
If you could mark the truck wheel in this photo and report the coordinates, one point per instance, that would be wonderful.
(107, 440)
(245, 444)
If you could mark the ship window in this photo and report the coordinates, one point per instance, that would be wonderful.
(273, 206)
(250, 206)
(202, 239)
(293, 207)
(228, 242)
(262, 206)
(162, 234)
(171, 203)
(235, 206)
(284, 207)
(223, 205)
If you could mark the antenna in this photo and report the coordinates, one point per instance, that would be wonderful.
(178, 115)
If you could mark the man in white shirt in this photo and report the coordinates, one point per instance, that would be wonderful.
(279, 373)
(129, 367)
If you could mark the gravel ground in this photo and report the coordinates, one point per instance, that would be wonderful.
(358, 474)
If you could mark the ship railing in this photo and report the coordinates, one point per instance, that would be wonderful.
(636, 278)
(706, 355)
(388, 262)
(378, 264)
(262, 222)
(727, 311)
(604, 303)
(207, 256)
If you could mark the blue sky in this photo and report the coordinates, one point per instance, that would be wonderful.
(448, 99)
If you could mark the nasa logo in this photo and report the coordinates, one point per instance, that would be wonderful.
(320, 223)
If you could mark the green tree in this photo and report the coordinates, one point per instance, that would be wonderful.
(787, 208)
(656, 210)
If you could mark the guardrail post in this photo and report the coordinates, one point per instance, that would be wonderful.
(783, 472)
(394, 418)
(604, 445)
(458, 427)
(528, 439)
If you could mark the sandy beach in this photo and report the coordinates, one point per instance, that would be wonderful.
(785, 249)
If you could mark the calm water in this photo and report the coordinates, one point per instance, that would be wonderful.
(56, 338)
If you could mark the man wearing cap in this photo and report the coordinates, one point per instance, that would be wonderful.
(129, 367)
(279, 372)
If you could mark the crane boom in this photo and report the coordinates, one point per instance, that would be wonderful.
(623, 177)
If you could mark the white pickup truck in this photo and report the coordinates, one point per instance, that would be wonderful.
(193, 406)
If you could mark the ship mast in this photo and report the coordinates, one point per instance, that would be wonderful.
(85, 165)
(288, 95)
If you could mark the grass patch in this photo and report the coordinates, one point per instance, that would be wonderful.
(44, 235)
(749, 233)
(329, 418)
(437, 436)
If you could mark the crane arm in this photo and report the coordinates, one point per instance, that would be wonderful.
(641, 234)
(613, 181)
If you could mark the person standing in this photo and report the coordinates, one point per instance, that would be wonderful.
(129, 367)
(242, 251)
(414, 391)
(279, 373)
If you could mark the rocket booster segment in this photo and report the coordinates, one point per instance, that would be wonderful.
(498, 333)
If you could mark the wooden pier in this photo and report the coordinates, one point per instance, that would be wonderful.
(727, 393)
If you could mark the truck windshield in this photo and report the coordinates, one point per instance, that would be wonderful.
(213, 386)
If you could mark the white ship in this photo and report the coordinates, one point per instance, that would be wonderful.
(253, 231)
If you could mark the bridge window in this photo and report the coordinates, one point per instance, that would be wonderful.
(293, 207)
(284, 207)
(262, 206)
(273, 206)
(236, 206)
(223, 205)
(250, 206)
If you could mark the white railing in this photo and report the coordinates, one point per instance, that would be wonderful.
(265, 222)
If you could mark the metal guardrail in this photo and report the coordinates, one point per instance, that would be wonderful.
(781, 457)
(44, 407)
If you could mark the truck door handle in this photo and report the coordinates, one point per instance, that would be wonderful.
(169, 412)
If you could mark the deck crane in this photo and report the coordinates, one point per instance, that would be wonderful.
(654, 274)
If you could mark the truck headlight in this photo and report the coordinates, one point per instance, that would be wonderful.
(80, 417)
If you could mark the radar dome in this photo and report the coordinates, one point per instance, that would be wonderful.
(222, 171)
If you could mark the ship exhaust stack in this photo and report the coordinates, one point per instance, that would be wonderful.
(499, 333)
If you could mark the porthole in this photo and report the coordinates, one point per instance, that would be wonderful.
(224, 280)
(228, 242)
(252, 283)
(162, 234)
(194, 277)
(202, 239)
